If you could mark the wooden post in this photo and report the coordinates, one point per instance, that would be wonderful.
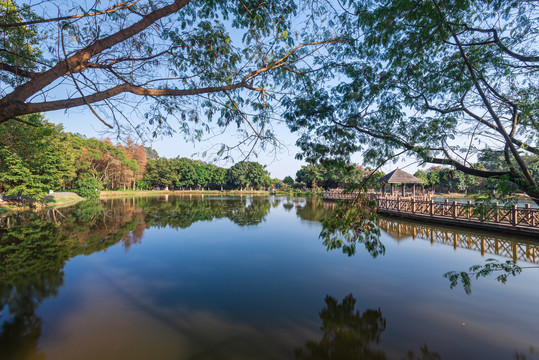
(514, 215)
(413, 205)
(455, 212)
(413, 190)
(398, 204)
(392, 189)
(497, 213)
(469, 211)
(446, 202)
(430, 209)
(527, 214)
(403, 190)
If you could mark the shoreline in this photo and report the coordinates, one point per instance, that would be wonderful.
(55, 201)
(120, 194)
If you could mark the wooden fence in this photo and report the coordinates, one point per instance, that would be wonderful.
(513, 217)
(521, 219)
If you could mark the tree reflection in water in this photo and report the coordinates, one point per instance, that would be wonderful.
(182, 212)
(349, 334)
(32, 257)
(34, 250)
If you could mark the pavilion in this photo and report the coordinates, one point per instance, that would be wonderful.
(399, 177)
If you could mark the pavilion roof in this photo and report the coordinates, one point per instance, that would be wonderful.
(400, 177)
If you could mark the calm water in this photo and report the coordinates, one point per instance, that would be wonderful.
(248, 278)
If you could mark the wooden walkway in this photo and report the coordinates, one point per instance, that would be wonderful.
(523, 220)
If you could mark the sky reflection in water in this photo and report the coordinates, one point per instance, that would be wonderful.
(229, 278)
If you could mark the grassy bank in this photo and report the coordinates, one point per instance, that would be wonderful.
(55, 200)
(62, 199)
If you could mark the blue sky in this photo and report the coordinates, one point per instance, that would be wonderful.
(280, 163)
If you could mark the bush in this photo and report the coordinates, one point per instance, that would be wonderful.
(88, 186)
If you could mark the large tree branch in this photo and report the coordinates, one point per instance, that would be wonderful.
(31, 108)
(434, 160)
(119, 6)
(421, 152)
(517, 142)
(17, 71)
(504, 48)
(78, 61)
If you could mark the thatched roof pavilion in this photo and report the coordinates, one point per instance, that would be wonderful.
(399, 177)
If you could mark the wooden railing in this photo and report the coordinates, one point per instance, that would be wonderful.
(514, 216)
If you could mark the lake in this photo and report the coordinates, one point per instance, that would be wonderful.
(169, 277)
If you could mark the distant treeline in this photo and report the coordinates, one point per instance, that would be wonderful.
(183, 173)
(37, 156)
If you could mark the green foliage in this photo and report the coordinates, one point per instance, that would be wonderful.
(248, 174)
(331, 174)
(19, 44)
(237, 175)
(491, 265)
(288, 181)
(353, 222)
(36, 158)
(439, 81)
(88, 186)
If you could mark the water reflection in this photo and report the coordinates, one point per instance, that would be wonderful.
(349, 334)
(32, 257)
(182, 212)
(515, 249)
(195, 287)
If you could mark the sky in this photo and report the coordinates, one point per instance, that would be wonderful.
(279, 162)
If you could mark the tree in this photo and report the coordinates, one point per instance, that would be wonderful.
(288, 181)
(203, 173)
(159, 173)
(257, 176)
(35, 157)
(422, 175)
(441, 81)
(219, 177)
(191, 60)
(331, 174)
(310, 175)
(237, 175)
